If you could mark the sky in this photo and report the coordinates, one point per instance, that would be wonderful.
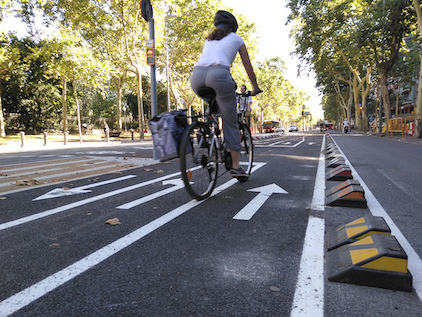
(270, 17)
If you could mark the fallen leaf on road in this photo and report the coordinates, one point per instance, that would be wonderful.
(147, 169)
(27, 182)
(159, 172)
(113, 222)
(1, 174)
(274, 289)
(3, 198)
(54, 245)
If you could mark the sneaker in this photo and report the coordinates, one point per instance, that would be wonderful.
(238, 173)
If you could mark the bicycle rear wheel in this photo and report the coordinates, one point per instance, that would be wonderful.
(198, 161)
(246, 152)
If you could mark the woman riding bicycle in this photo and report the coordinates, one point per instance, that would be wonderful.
(213, 70)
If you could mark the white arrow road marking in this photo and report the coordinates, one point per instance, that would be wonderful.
(252, 207)
(59, 192)
(178, 185)
(57, 210)
(16, 302)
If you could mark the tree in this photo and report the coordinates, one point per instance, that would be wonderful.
(382, 27)
(9, 57)
(417, 5)
(362, 35)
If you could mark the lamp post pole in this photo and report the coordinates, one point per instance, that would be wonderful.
(147, 14)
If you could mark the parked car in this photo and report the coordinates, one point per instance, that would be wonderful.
(293, 128)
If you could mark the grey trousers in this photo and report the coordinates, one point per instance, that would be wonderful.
(220, 79)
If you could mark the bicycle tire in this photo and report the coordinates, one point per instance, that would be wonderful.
(198, 163)
(246, 152)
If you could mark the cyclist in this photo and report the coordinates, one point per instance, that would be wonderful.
(244, 100)
(213, 70)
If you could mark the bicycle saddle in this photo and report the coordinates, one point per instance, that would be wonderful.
(206, 92)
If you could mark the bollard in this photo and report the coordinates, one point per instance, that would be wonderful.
(45, 138)
(22, 138)
(65, 138)
(132, 134)
(107, 135)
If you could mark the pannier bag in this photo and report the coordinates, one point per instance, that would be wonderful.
(167, 130)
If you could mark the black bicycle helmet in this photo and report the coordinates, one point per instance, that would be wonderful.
(225, 18)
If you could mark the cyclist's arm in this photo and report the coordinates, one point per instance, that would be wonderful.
(244, 55)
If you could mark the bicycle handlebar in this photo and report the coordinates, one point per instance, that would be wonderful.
(249, 93)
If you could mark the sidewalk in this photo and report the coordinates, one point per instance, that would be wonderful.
(397, 137)
(39, 146)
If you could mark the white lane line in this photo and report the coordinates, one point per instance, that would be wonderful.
(53, 211)
(19, 300)
(178, 184)
(276, 145)
(318, 198)
(414, 263)
(309, 294)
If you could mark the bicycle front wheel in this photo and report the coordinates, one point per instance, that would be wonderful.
(198, 161)
(246, 152)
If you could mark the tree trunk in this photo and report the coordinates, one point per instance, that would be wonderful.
(119, 104)
(64, 104)
(2, 130)
(384, 93)
(356, 90)
(366, 88)
(418, 120)
(78, 111)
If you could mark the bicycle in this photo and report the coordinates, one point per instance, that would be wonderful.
(203, 148)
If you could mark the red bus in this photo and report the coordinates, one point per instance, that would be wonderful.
(271, 126)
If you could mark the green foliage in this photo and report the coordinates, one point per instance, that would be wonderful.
(281, 100)
(28, 91)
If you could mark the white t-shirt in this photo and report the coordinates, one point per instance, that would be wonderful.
(221, 52)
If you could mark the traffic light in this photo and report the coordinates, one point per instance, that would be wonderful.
(150, 52)
(303, 113)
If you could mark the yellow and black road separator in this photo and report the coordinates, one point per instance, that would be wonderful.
(331, 149)
(341, 186)
(340, 173)
(350, 196)
(377, 260)
(356, 230)
(333, 155)
(336, 162)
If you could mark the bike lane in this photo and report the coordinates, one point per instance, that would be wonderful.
(203, 261)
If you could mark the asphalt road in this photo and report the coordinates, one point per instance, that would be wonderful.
(170, 256)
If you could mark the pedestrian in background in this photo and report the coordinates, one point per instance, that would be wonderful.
(106, 130)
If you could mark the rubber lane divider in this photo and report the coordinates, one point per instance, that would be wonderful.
(350, 196)
(377, 260)
(336, 162)
(341, 186)
(333, 155)
(356, 230)
(340, 173)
